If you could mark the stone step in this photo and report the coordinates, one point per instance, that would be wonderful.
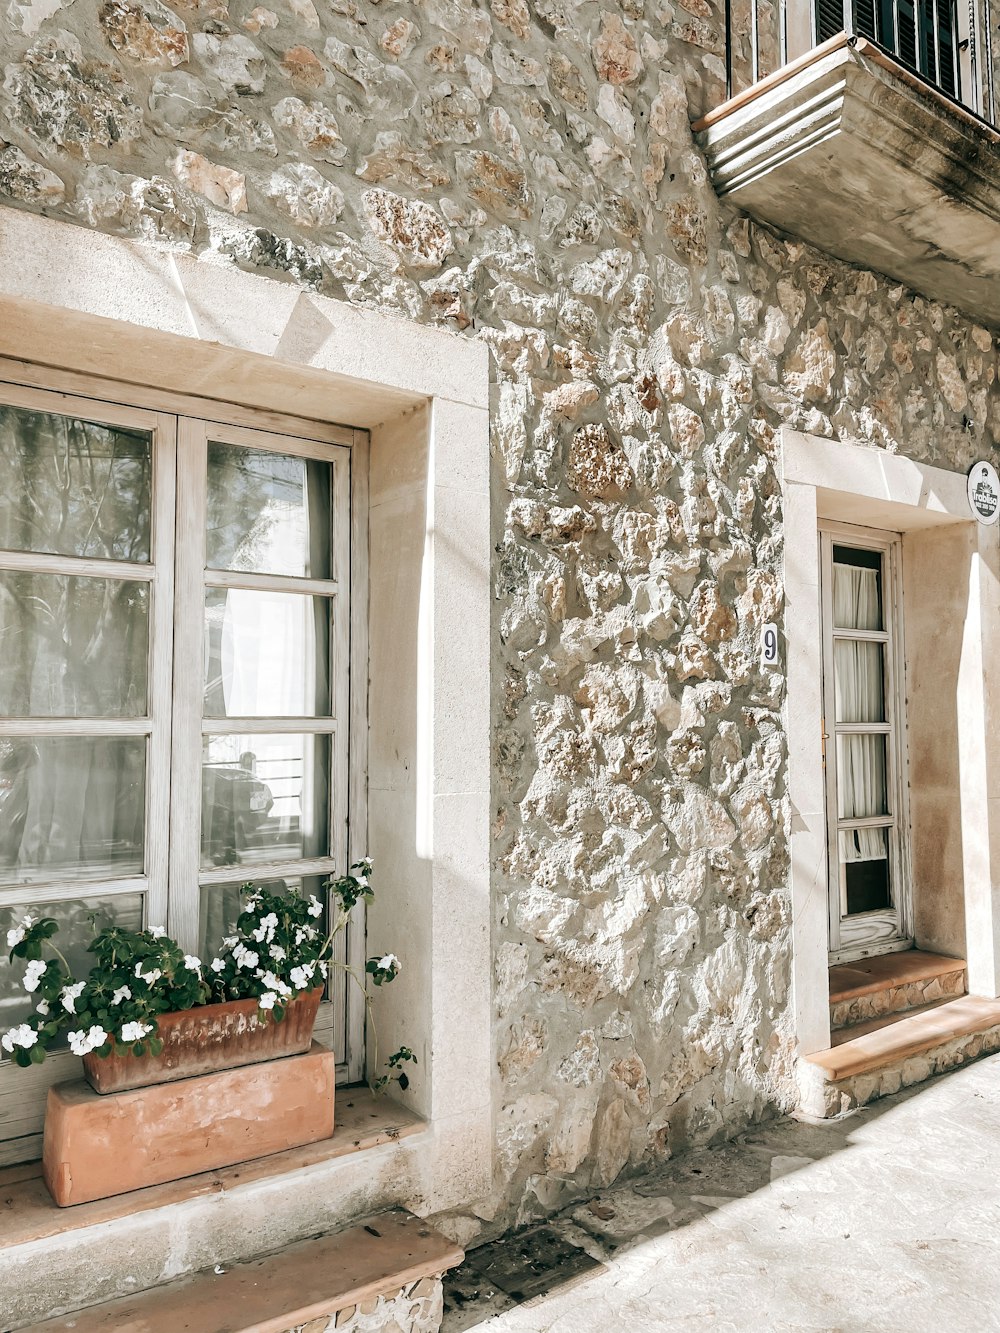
(382, 1273)
(892, 983)
(877, 1058)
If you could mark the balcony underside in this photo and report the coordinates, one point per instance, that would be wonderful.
(848, 151)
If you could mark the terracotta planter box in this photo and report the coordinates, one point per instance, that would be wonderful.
(206, 1039)
(95, 1147)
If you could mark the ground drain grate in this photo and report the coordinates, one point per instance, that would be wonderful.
(513, 1271)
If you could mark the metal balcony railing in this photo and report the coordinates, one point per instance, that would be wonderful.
(948, 44)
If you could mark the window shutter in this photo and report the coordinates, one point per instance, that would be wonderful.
(830, 18)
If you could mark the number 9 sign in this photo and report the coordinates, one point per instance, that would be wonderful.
(769, 645)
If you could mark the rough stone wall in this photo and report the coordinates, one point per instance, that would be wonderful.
(526, 175)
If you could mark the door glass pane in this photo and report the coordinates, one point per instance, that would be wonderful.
(266, 654)
(79, 920)
(859, 681)
(73, 487)
(264, 798)
(268, 513)
(72, 647)
(861, 785)
(865, 857)
(71, 805)
(857, 588)
(221, 904)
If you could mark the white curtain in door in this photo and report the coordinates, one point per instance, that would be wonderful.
(855, 598)
(860, 697)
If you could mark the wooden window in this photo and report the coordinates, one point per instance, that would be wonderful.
(176, 694)
(864, 742)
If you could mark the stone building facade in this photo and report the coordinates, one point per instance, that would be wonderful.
(524, 177)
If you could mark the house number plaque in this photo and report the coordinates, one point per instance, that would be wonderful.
(769, 645)
(984, 492)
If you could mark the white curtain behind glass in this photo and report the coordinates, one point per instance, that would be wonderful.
(858, 684)
(265, 639)
(855, 598)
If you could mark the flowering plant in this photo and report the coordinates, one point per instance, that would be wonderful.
(277, 951)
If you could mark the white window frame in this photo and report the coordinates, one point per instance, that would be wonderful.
(888, 929)
(180, 426)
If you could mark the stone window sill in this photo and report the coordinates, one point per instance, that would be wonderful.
(27, 1212)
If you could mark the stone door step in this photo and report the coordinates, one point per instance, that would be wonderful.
(311, 1281)
(881, 1056)
(891, 984)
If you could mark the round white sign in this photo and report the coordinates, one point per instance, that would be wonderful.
(984, 492)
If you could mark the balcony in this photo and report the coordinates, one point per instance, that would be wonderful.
(868, 128)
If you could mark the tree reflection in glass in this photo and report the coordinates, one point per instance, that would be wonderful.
(74, 487)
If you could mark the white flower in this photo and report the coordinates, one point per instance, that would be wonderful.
(157, 932)
(272, 983)
(268, 1000)
(322, 968)
(266, 929)
(42, 1007)
(135, 1031)
(70, 995)
(122, 993)
(230, 942)
(304, 933)
(245, 957)
(33, 975)
(148, 977)
(23, 1036)
(302, 976)
(217, 965)
(278, 953)
(315, 907)
(17, 934)
(389, 963)
(82, 1043)
(191, 962)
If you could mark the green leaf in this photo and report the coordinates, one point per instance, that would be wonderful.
(37, 1056)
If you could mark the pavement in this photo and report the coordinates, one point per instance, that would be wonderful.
(885, 1221)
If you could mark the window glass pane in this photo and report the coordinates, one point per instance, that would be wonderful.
(72, 647)
(221, 904)
(266, 654)
(861, 788)
(857, 588)
(79, 921)
(859, 682)
(865, 856)
(264, 798)
(268, 513)
(71, 805)
(73, 487)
